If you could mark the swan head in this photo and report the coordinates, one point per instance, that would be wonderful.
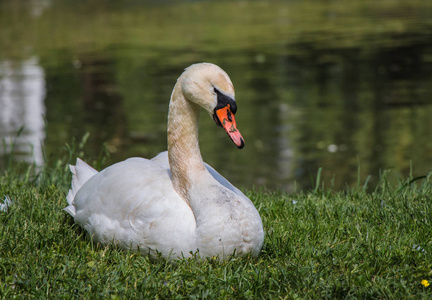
(211, 88)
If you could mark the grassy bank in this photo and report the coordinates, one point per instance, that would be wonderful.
(319, 244)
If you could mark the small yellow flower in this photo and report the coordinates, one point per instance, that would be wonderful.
(425, 282)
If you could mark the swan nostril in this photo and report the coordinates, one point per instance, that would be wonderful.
(229, 115)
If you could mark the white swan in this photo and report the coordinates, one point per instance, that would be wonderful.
(173, 204)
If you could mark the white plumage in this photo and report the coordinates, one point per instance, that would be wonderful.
(174, 204)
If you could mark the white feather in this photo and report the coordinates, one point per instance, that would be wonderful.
(173, 204)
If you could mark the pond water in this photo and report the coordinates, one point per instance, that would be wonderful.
(345, 86)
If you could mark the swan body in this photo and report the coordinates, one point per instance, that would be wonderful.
(174, 204)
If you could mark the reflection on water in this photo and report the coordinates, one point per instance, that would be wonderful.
(345, 88)
(22, 94)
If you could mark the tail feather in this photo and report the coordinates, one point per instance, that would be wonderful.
(81, 172)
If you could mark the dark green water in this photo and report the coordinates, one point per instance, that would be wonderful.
(319, 84)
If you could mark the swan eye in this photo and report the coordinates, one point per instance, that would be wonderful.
(224, 100)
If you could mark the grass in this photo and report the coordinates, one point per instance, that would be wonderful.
(319, 244)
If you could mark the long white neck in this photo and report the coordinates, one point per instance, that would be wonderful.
(183, 149)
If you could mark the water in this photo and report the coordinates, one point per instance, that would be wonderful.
(341, 86)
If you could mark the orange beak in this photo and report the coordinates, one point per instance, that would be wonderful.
(227, 121)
